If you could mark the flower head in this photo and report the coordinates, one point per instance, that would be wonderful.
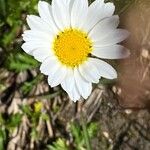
(69, 37)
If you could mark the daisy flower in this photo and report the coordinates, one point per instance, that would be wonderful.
(68, 38)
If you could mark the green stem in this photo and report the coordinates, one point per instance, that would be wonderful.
(48, 96)
(85, 133)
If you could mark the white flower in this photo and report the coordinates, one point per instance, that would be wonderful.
(67, 38)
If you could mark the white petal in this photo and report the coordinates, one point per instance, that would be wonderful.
(30, 46)
(74, 94)
(105, 70)
(57, 77)
(31, 35)
(37, 44)
(69, 85)
(79, 13)
(49, 66)
(109, 9)
(89, 72)
(36, 23)
(111, 38)
(45, 12)
(111, 52)
(41, 54)
(97, 11)
(61, 13)
(84, 87)
(104, 27)
(70, 2)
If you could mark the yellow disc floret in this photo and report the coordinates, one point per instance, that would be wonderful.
(72, 47)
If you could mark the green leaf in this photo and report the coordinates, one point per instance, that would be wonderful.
(3, 138)
(76, 132)
(45, 116)
(92, 129)
(60, 144)
(3, 7)
(27, 110)
(13, 121)
(79, 134)
(2, 121)
(34, 134)
(20, 62)
(28, 86)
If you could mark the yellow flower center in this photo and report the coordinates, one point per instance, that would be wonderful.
(72, 47)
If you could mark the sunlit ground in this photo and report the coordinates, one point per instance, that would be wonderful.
(35, 116)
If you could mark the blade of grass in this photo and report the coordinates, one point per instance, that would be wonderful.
(85, 133)
(48, 96)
